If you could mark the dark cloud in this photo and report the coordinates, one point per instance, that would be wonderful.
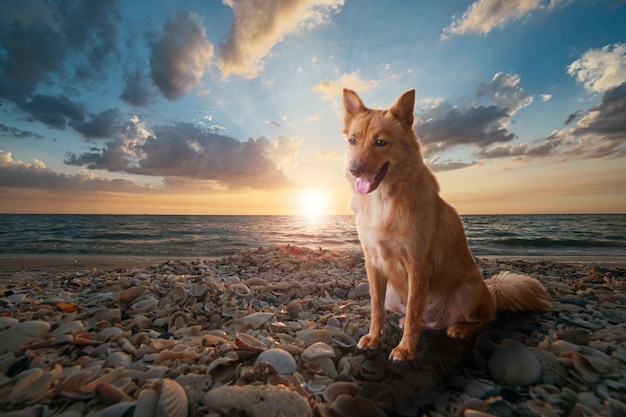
(608, 118)
(601, 132)
(573, 116)
(186, 151)
(102, 125)
(137, 90)
(13, 132)
(17, 174)
(54, 111)
(443, 127)
(38, 37)
(180, 55)
(538, 150)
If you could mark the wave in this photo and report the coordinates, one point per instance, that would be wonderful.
(545, 242)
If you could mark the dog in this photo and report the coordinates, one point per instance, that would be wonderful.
(417, 259)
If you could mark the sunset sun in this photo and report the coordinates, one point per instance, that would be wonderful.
(313, 204)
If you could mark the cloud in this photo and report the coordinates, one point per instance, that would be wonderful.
(180, 55)
(485, 15)
(445, 126)
(54, 111)
(184, 150)
(13, 132)
(602, 131)
(602, 68)
(505, 92)
(332, 89)
(573, 116)
(18, 174)
(38, 38)
(453, 165)
(137, 89)
(259, 25)
(538, 150)
(102, 125)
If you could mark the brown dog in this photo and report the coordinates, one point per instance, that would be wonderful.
(416, 252)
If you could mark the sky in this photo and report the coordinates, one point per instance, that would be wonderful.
(235, 106)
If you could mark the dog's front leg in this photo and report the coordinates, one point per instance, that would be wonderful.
(378, 287)
(416, 301)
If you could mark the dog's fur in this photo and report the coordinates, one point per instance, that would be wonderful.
(416, 254)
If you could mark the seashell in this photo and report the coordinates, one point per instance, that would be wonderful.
(68, 307)
(257, 400)
(246, 342)
(514, 364)
(561, 346)
(542, 408)
(372, 371)
(144, 305)
(317, 384)
(318, 350)
(6, 322)
(116, 410)
(69, 387)
(600, 361)
(199, 289)
(118, 359)
(280, 360)
(21, 333)
(178, 294)
(337, 272)
(347, 405)
(112, 315)
(163, 398)
(109, 394)
(344, 340)
(108, 377)
(177, 321)
(241, 290)
(256, 320)
(195, 385)
(332, 391)
(129, 294)
(70, 327)
(323, 365)
(311, 336)
(255, 282)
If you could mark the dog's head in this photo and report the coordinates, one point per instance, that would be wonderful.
(377, 140)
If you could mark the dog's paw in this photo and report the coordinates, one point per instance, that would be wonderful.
(399, 354)
(461, 330)
(368, 342)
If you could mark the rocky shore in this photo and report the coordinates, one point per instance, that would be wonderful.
(273, 332)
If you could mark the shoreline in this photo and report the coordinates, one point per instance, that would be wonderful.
(22, 265)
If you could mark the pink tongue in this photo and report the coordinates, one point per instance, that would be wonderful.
(362, 185)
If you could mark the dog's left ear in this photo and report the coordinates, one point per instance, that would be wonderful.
(402, 109)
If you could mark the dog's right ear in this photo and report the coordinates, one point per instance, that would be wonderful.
(352, 105)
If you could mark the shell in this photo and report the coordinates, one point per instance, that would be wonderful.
(246, 342)
(282, 362)
(128, 295)
(514, 364)
(318, 350)
(332, 391)
(256, 320)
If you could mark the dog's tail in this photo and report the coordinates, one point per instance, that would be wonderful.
(514, 292)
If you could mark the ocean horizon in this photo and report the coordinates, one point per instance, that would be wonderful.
(584, 236)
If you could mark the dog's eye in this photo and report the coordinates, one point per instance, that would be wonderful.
(380, 142)
(352, 141)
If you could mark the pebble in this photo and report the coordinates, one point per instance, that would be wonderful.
(279, 325)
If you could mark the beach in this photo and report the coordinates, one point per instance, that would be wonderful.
(273, 330)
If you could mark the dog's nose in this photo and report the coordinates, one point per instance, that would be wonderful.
(355, 170)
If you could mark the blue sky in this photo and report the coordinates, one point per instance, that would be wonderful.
(235, 106)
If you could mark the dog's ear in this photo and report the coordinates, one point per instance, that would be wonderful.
(352, 105)
(402, 109)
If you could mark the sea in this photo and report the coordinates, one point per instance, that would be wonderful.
(588, 236)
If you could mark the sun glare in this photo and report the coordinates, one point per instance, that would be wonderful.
(313, 204)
